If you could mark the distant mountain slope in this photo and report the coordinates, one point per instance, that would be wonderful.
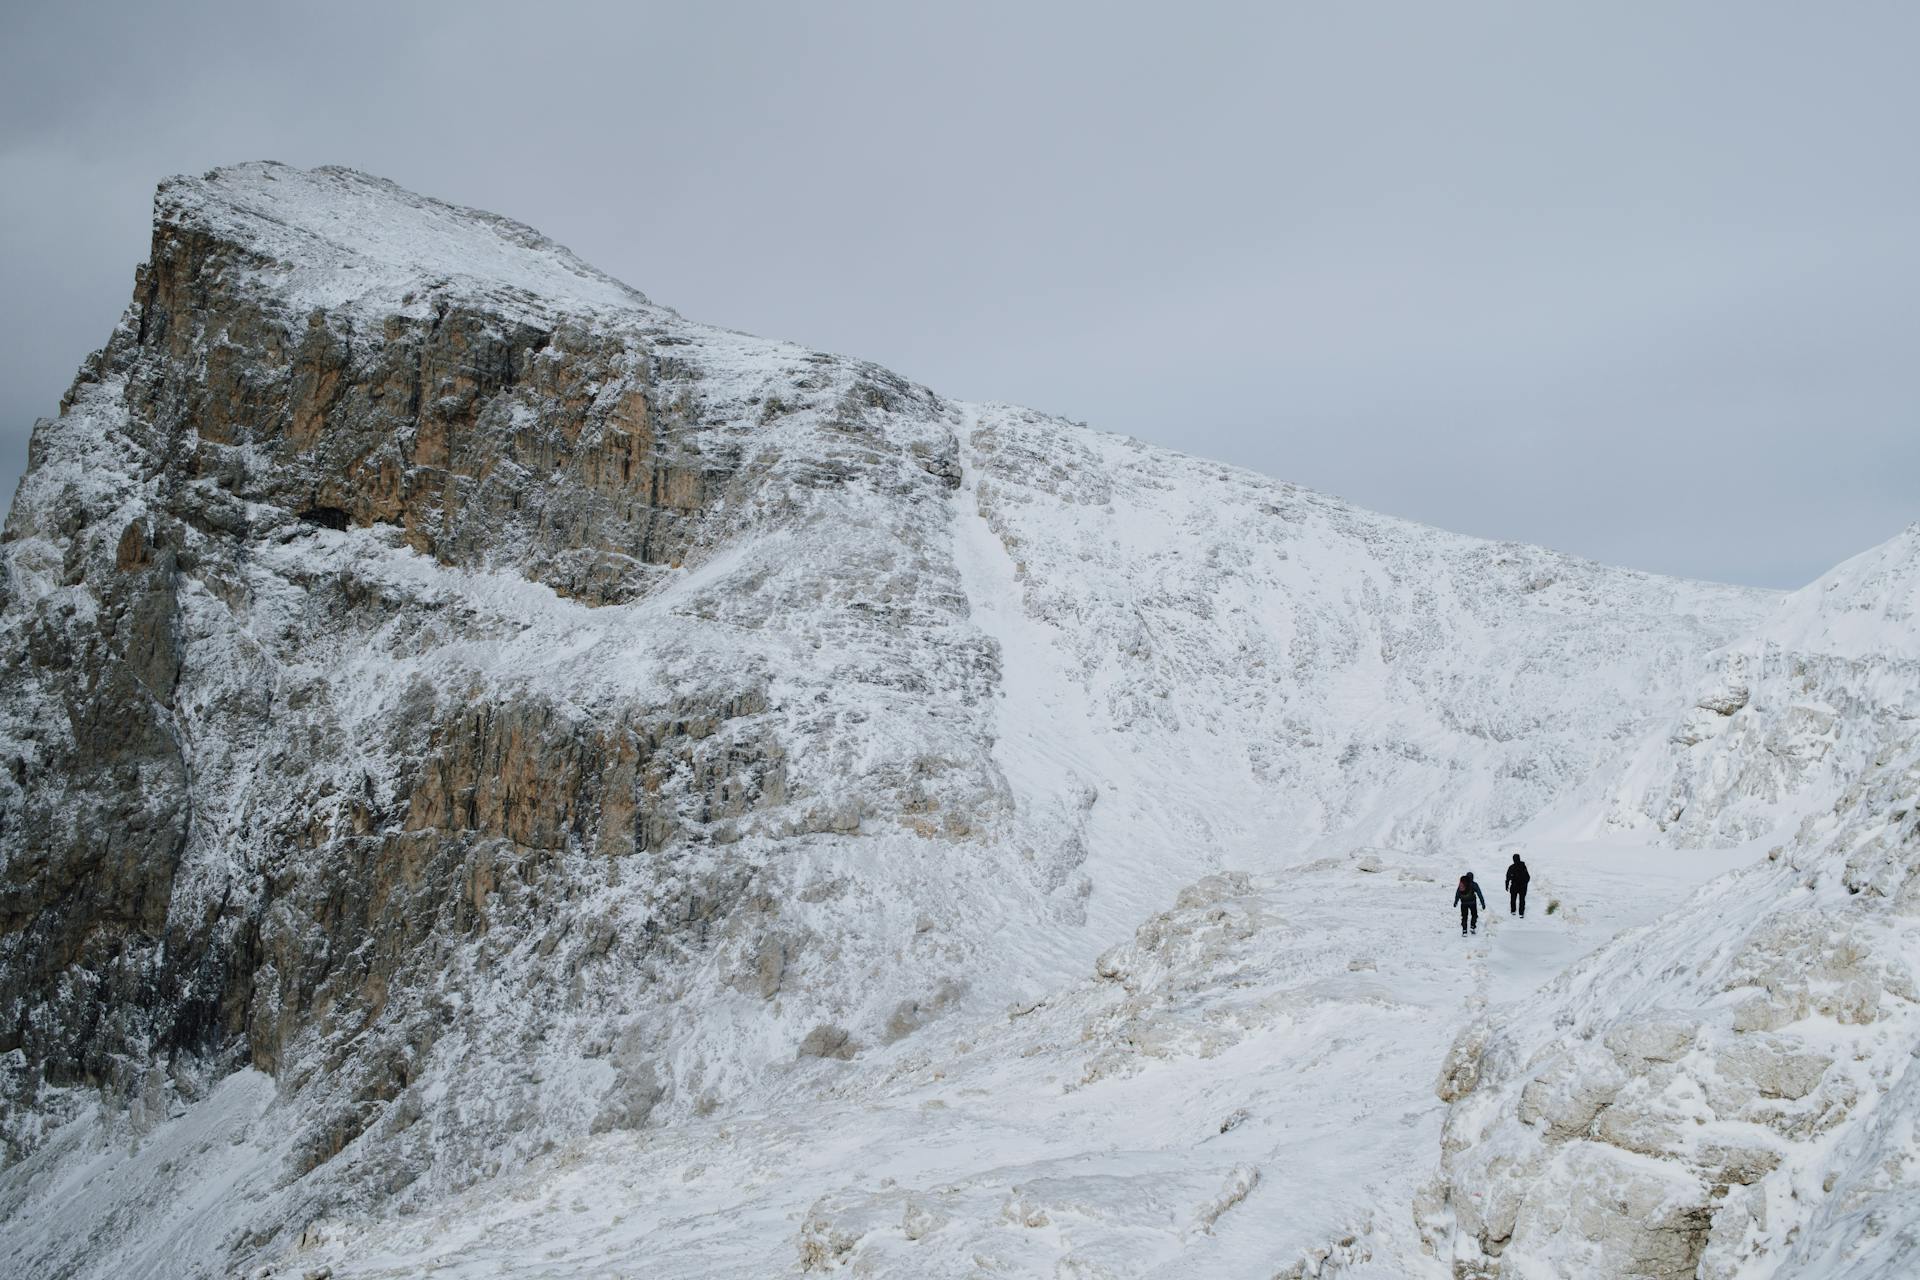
(497, 710)
(1795, 713)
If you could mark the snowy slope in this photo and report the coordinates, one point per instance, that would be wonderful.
(1242, 1089)
(576, 748)
(1730, 1091)
(1793, 714)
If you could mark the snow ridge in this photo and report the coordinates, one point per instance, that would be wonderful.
(337, 239)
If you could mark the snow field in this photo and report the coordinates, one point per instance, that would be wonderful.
(1246, 1085)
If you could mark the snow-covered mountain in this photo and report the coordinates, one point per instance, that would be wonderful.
(502, 777)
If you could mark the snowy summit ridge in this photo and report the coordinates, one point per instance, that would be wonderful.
(500, 776)
(333, 237)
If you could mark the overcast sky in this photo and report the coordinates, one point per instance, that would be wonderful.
(1637, 281)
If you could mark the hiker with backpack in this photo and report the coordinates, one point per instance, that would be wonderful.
(1517, 877)
(1469, 899)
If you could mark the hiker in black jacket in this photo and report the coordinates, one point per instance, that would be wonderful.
(1517, 877)
(1469, 899)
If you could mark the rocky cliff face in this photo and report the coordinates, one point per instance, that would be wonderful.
(289, 586)
(496, 710)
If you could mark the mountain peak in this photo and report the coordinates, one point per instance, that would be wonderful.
(333, 237)
(1866, 606)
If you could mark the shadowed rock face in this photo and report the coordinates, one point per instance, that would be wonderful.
(481, 436)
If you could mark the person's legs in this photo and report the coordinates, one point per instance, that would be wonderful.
(1474, 907)
(1464, 908)
(1513, 902)
(1522, 895)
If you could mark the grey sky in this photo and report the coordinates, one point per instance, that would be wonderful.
(1639, 281)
